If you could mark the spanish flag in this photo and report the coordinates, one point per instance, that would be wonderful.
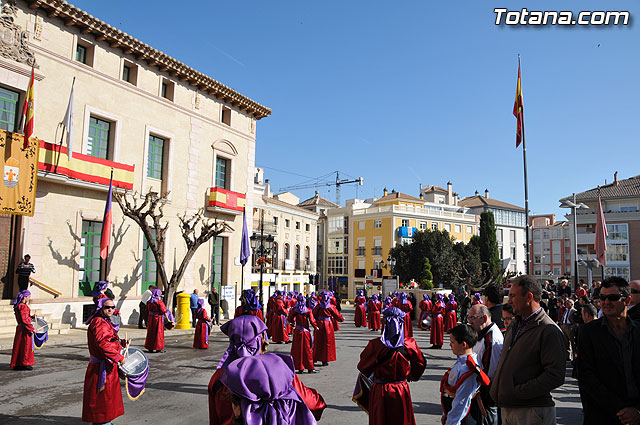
(518, 110)
(28, 111)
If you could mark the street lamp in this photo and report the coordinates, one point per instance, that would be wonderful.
(574, 206)
(590, 264)
(262, 246)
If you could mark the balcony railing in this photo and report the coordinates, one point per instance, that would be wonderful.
(269, 227)
(376, 250)
(53, 163)
(360, 251)
(226, 201)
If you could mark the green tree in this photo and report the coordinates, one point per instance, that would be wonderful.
(426, 282)
(488, 244)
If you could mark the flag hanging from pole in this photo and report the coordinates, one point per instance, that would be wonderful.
(105, 237)
(601, 234)
(245, 248)
(28, 111)
(67, 122)
(518, 110)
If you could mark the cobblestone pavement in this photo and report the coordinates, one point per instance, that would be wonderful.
(177, 385)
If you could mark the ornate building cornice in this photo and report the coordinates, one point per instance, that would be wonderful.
(103, 32)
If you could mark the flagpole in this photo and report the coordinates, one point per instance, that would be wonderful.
(64, 129)
(526, 183)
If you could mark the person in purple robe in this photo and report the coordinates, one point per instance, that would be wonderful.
(263, 392)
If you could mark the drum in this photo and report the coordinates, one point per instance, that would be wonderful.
(168, 324)
(426, 322)
(40, 325)
(136, 362)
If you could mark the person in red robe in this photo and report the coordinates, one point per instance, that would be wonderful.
(477, 299)
(324, 346)
(247, 337)
(425, 311)
(203, 326)
(451, 318)
(155, 324)
(302, 319)
(391, 361)
(250, 305)
(374, 306)
(360, 317)
(403, 304)
(438, 311)
(270, 304)
(279, 332)
(291, 302)
(102, 396)
(334, 301)
(22, 354)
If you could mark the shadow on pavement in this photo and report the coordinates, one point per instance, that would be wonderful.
(353, 408)
(426, 407)
(38, 420)
(177, 387)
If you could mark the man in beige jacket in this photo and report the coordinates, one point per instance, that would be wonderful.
(532, 362)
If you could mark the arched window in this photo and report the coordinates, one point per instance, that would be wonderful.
(274, 256)
(307, 255)
(287, 252)
(298, 257)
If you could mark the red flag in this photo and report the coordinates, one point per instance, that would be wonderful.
(105, 237)
(601, 235)
(28, 111)
(518, 110)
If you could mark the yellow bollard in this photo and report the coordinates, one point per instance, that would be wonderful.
(183, 318)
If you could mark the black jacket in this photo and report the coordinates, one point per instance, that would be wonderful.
(601, 373)
(634, 313)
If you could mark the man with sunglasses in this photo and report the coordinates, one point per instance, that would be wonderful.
(634, 307)
(609, 360)
(102, 396)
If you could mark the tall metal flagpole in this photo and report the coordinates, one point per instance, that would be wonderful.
(526, 184)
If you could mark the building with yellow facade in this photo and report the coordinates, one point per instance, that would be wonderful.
(159, 124)
(360, 235)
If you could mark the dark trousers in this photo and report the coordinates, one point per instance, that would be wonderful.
(23, 282)
(215, 313)
(193, 318)
(143, 315)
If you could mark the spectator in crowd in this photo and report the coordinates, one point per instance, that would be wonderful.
(581, 291)
(589, 313)
(193, 304)
(568, 327)
(564, 289)
(25, 268)
(507, 315)
(488, 348)
(143, 306)
(552, 306)
(595, 291)
(534, 363)
(465, 304)
(609, 361)
(214, 302)
(493, 297)
(634, 306)
(552, 286)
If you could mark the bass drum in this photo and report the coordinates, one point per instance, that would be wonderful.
(40, 325)
(136, 362)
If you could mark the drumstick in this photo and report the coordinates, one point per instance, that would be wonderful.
(126, 351)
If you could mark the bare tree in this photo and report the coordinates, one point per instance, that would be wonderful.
(148, 213)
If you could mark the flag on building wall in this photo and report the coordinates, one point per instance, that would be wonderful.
(245, 248)
(28, 111)
(105, 237)
(518, 110)
(67, 122)
(601, 234)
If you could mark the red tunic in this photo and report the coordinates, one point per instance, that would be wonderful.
(278, 322)
(408, 328)
(301, 347)
(374, 314)
(437, 324)
(200, 338)
(270, 305)
(221, 412)
(106, 404)
(389, 400)
(360, 317)
(22, 354)
(425, 310)
(155, 326)
(240, 311)
(336, 327)
(324, 344)
(450, 318)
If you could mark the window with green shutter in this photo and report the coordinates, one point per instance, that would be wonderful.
(99, 136)
(8, 109)
(90, 261)
(149, 268)
(155, 157)
(217, 260)
(222, 170)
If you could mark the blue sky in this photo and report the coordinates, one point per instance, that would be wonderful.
(410, 92)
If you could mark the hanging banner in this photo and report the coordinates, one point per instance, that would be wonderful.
(19, 165)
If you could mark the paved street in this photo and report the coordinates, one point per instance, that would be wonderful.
(177, 385)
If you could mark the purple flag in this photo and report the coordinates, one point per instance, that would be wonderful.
(245, 249)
